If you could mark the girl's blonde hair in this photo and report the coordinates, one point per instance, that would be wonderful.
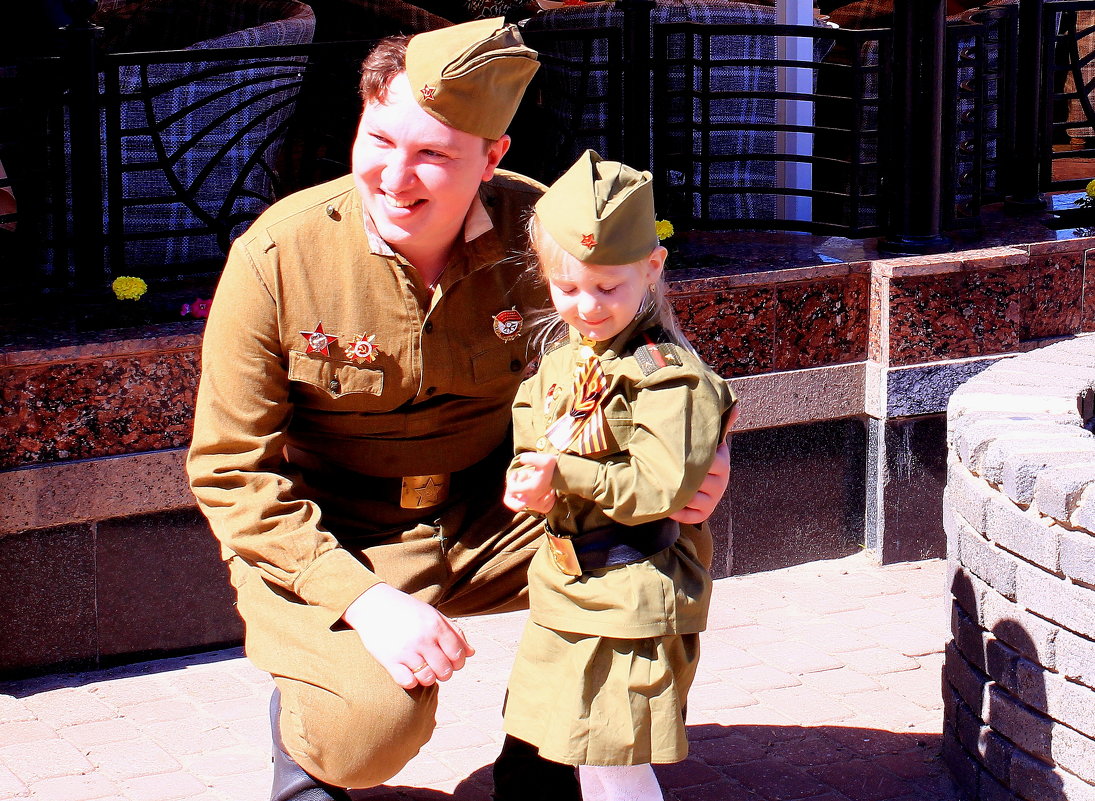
(546, 255)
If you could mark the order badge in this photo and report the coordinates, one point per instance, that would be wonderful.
(507, 324)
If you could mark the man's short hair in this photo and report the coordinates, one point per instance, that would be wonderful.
(387, 59)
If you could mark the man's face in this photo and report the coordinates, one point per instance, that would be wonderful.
(417, 176)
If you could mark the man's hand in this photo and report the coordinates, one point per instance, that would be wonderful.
(705, 500)
(529, 487)
(415, 643)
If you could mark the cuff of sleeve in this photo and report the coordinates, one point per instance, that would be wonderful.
(575, 475)
(334, 581)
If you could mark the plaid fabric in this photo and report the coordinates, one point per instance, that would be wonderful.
(148, 25)
(347, 20)
(199, 139)
(580, 87)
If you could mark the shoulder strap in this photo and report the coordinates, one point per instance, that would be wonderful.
(653, 350)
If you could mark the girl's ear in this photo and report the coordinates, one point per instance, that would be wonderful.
(656, 264)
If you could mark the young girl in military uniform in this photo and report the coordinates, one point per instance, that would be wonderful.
(613, 434)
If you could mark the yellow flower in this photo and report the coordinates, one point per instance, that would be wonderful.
(1089, 190)
(126, 287)
(664, 228)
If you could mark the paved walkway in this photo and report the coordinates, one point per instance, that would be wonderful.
(818, 682)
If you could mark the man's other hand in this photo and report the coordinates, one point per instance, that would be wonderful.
(705, 500)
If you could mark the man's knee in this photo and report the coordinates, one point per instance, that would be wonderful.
(356, 739)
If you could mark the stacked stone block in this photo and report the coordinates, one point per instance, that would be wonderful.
(1019, 513)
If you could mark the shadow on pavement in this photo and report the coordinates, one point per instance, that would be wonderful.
(771, 763)
(166, 663)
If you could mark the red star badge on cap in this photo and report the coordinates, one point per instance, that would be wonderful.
(588, 241)
(318, 342)
(428, 92)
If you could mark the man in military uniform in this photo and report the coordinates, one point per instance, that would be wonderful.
(352, 425)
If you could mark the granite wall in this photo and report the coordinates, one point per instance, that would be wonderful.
(1019, 511)
(844, 370)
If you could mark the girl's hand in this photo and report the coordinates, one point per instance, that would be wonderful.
(529, 488)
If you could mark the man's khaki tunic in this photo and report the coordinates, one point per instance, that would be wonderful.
(298, 456)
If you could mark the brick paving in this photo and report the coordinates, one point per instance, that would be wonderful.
(819, 682)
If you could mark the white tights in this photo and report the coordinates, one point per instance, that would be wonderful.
(619, 783)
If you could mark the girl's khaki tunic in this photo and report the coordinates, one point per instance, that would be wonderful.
(604, 667)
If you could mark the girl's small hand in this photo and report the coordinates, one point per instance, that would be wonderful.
(514, 497)
(530, 486)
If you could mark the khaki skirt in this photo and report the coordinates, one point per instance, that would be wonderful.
(588, 700)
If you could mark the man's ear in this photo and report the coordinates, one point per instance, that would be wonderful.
(495, 150)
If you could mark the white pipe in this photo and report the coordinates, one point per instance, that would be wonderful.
(799, 80)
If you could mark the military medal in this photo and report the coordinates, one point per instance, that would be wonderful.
(507, 324)
(363, 348)
(550, 399)
(319, 342)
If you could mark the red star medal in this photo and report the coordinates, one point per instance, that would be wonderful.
(588, 241)
(549, 399)
(362, 348)
(507, 324)
(428, 92)
(318, 342)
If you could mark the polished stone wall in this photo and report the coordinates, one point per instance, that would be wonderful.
(843, 366)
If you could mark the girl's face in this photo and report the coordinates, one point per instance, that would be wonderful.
(601, 301)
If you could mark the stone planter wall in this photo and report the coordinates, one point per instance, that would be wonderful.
(1019, 513)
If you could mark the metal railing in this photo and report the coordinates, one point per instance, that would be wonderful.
(717, 146)
(168, 156)
(1068, 48)
(119, 162)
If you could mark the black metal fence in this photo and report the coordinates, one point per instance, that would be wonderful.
(980, 102)
(167, 156)
(155, 161)
(1068, 118)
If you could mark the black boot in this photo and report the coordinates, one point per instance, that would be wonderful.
(291, 783)
(521, 774)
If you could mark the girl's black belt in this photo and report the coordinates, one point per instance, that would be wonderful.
(617, 544)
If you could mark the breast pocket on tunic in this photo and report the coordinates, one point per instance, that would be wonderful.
(620, 425)
(503, 361)
(335, 379)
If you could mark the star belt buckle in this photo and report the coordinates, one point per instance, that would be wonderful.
(422, 492)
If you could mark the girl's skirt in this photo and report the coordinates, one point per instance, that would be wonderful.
(589, 700)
